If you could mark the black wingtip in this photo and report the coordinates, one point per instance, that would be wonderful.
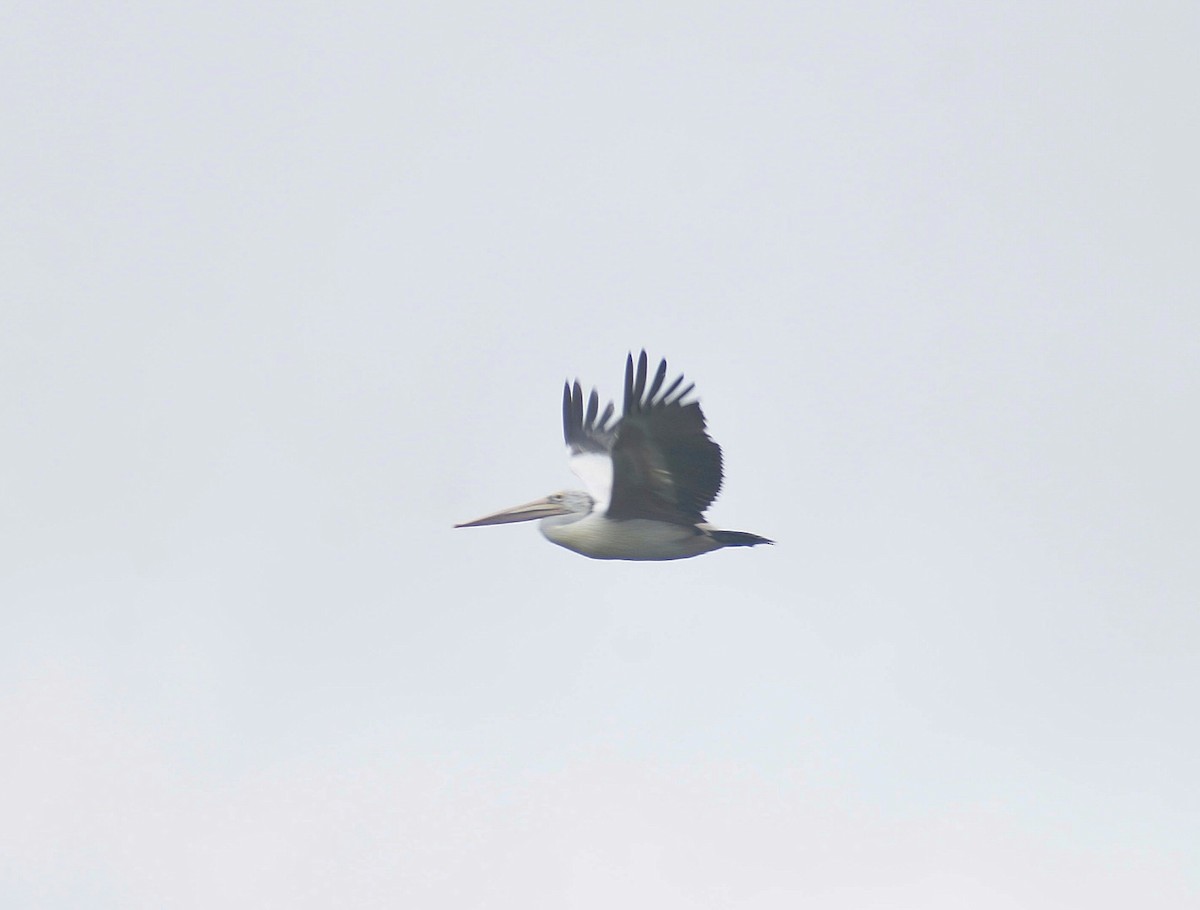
(659, 375)
(567, 433)
(593, 406)
(573, 425)
(681, 395)
(629, 383)
(639, 386)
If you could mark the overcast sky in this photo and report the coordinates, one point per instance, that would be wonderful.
(286, 290)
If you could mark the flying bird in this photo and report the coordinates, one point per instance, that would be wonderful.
(649, 476)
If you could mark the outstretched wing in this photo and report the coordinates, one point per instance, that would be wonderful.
(589, 441)
(664, 466)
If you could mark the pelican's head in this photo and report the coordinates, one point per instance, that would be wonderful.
(567, 506)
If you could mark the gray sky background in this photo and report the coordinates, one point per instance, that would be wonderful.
(286, 291)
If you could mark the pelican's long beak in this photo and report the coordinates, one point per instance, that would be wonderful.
(541, 508)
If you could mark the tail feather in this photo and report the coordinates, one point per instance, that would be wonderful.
(737, 538)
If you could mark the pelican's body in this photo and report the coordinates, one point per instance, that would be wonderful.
(650, 477)
(631, 538)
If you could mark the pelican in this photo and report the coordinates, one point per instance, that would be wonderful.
(650, 476)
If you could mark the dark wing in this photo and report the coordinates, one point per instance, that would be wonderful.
(589, 440)
(584, 429)
(664, 465)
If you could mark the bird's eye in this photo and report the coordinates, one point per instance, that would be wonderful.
(556, 497)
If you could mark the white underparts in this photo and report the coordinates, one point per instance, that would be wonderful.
(631, 538)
